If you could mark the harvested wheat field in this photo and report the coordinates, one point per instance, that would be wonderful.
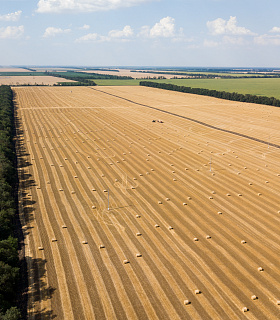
(31, 80)
(126, 218)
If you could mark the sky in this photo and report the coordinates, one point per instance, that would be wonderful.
(181, 33)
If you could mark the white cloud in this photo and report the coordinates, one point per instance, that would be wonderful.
(11, 32)
(62, 6)
(88, 37)
(113, 35)
(221, 27)
(51, 31)
(125, 33)
(164, 28)
(265, 40)
(11, 16)
(84, 27)
(275, 30)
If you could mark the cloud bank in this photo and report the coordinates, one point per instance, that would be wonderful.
(11, 16)
(11, 32)
(51, 32)
(223, 27)
(62, 6)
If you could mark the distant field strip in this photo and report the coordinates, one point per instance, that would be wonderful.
(192, 230)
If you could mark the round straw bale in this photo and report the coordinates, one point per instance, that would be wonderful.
(254, 297)
(64, 226)
(170, 228)
(54, 240)
(138, 234)
(84, 242)
(197, 291)
(101, 246)
(73, 192)
(195, 239)
(159, 202)
(208, 237)
(245, 309)
(125, 261)
(243, 241)
(138, 216)
(185, 204)
(93, 207)
(278, 302)
(167, 199)
(259, 194)
(174, 179)
(138, 255)
(156, 226)
(186, 302)
(219, 212)
(260, 268)
(210, 197)
(40, 248)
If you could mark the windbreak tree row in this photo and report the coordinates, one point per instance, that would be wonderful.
(9, 261)
(234, 96)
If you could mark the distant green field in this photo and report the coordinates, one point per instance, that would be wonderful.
(16, 74)
(260, 87)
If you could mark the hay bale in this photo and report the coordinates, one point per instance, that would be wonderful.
(84, 242)
(278, 302)
(101, 246)
(267, 182)
(197, 291)
(64, 226)
(260, 269)
(239, 195)
(138, 234)
(138, 255)
(174, 179)
(254, 297)
(170, 228)
(105, 190)
(138, 216)
(195, 239)
(54, 240)
(60, 189)
(259, 194)
(93, 207)
(40, 248)
(208, 237)
(167, 199)
(228, 194)
(156, 226)
(187, 302)
(159, 202)
(210, 197)
(185, 204)
(219, 212)
(245, 309)
(152, 169)
(243, 241)
(125, 261)
(73, 192)
(250, 183)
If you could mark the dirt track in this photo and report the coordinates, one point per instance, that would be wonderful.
(200, 205)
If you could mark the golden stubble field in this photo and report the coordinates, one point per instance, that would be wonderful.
(30, 80)
(192, 230)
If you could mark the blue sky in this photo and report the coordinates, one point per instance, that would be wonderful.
(207, 33)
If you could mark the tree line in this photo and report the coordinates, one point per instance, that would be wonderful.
(234, 96)
(9, 260)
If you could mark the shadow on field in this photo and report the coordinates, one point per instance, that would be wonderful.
(38, 289)
(33, 287)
